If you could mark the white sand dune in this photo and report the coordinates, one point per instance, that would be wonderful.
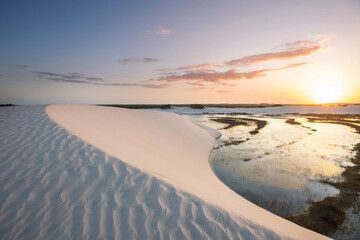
(118, 174)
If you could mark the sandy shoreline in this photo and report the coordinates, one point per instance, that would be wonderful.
(56, 185)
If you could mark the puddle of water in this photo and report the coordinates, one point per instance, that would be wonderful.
(282, 167)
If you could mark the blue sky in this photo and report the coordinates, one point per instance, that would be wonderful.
(177, 51)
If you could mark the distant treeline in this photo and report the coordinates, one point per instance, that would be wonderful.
(8, 105)
(194, 106)
(220, 105)
(148, 106)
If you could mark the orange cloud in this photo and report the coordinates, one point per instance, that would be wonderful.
(200, 76)
(162, 31)
(202, 66)
(289, 53)
(292, 50)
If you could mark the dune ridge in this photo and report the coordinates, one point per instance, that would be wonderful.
(169, 147)
(54, 185)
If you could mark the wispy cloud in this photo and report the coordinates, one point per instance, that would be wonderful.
(73, 77)
(202, 66)
(76, 77)
(322, 38)
(164, 85)
(201, 76)
(22, 66)
(145, 85)
(137, 60)
(290, 50)
(293, 50)
(160, 30)
(300, 43)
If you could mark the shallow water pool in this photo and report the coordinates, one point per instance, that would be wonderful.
(282, 168)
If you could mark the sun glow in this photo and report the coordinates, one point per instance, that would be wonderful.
(327, 87)
(326, 92)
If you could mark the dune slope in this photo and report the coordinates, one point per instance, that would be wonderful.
(54, 185)
(170, 148)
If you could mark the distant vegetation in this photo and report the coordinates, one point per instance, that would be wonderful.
(220, 105)
(193, 106)
(149, 106)
(197, 106)
(134, 106)
(243, 105)
(8, 105)
(166, 106)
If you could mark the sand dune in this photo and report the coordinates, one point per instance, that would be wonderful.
(55, 185)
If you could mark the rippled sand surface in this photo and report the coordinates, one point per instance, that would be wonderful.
(56, 186)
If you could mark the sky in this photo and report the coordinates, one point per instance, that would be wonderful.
(294, 52)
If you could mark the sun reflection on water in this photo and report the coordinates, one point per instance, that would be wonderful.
(282, 167)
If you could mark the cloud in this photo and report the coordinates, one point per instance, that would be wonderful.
(22, 66)
(202, 66)
(145, 85)
(299, 43)
(73, 77)
(209, 76)
(160, 30)
(94, 79)
(322, 38)
(164, 85)
(206, 71)
(294, 50)
(137, 60)
(294, 65)
(201, 76)
(76, 77)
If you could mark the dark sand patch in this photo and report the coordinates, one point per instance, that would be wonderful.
(233, 122)
(292, 121)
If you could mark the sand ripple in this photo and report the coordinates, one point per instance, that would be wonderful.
(55, 186)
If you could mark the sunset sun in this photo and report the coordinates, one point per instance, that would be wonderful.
(327, 86)
(326, 92)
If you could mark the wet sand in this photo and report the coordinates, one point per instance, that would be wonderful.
(327, 215)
